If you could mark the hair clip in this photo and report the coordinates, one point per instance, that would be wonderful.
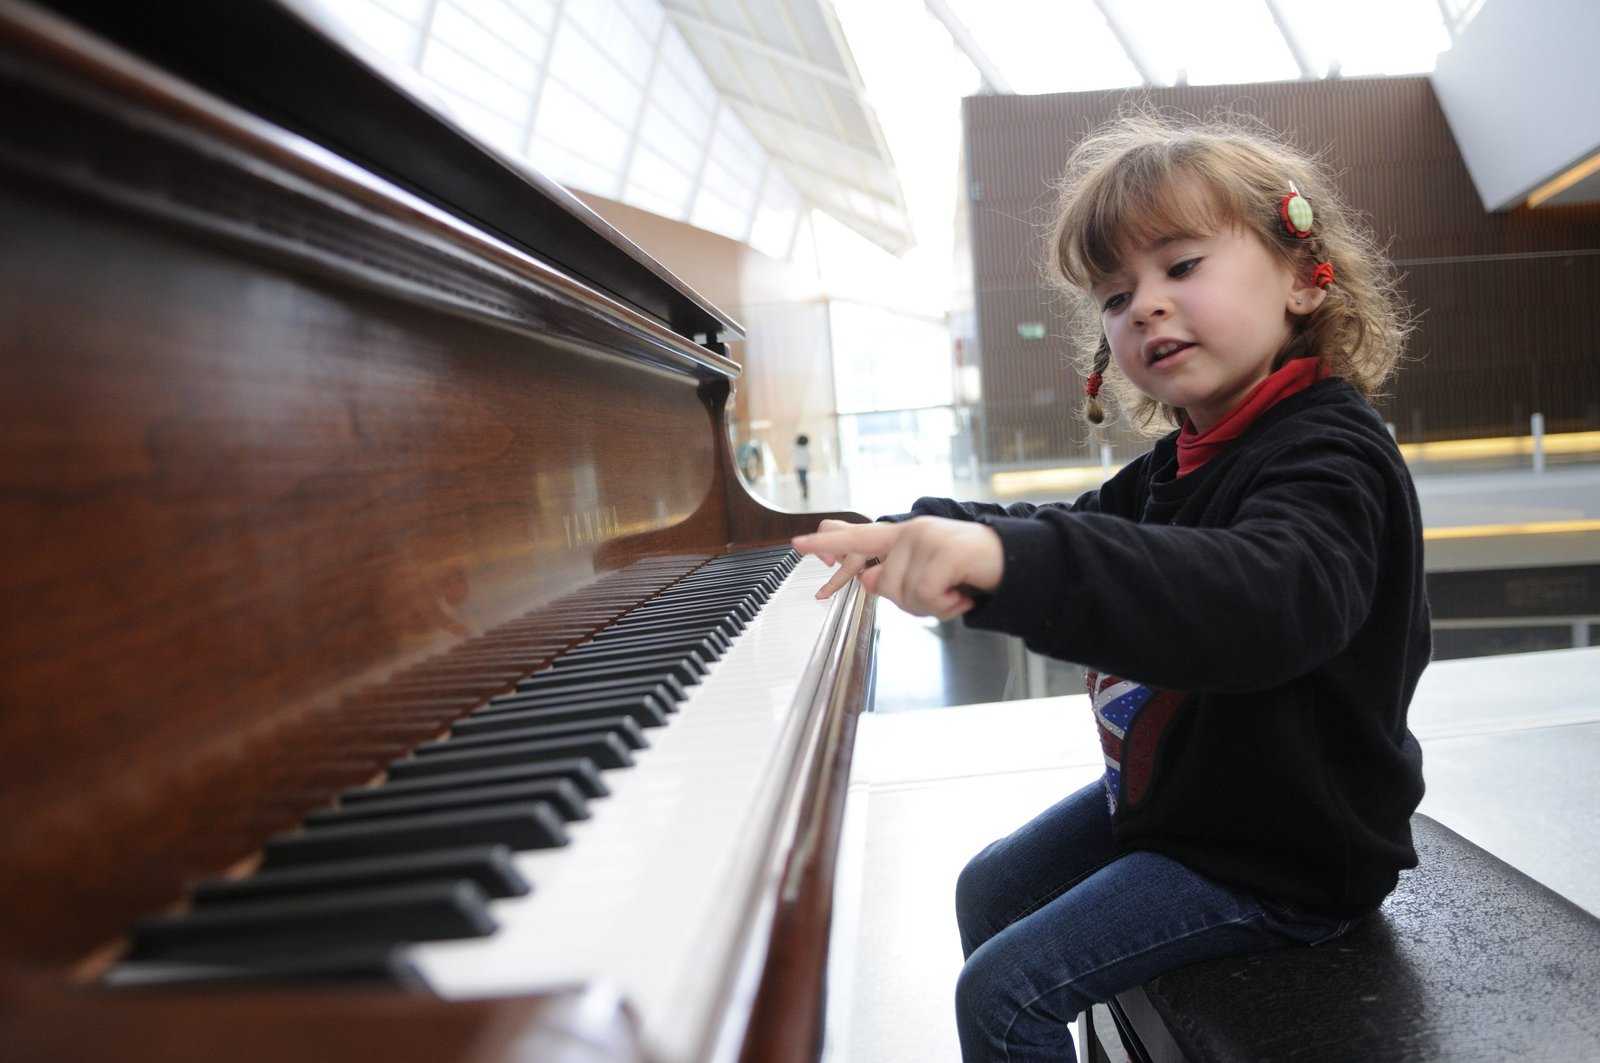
(1322, 276)
(1091, 384)
(1296, 213)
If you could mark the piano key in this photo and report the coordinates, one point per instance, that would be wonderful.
(411, 912)
(745, 588)
(488, 865)
(760, 578)
(606, 750)
(725, 625)
(735, 610)
(533, 825)
(665, 692)
(743, 607)
(645, 709)
(680, 834)
(385, 965)
(580, 771)
(709, 646)
(685, 670)
(625, 728)
(564, 797)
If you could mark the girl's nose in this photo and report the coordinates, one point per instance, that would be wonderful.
(1148, 308)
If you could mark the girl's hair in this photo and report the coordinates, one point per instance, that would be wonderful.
(1146, 175)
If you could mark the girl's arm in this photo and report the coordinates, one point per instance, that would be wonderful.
(1279, 587)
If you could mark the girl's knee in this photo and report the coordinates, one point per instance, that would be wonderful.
(998, 1004)
(977, 994)
(975, 899)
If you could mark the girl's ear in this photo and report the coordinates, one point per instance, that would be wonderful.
(1305, 295)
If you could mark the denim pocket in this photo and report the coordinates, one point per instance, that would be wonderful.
(1303, 927)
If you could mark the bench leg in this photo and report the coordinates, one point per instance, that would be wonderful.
(1103, 1037)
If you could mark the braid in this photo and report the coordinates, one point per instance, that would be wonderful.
(1093, 412)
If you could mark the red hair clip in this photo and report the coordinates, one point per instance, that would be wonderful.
(1091, 384)
(1322, 276)
(1296, 213)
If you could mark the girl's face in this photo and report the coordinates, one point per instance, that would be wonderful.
(1195, 319)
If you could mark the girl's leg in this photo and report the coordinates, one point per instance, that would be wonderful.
(1033, 865)
(1136, 917)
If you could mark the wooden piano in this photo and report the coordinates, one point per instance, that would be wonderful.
(329, 441)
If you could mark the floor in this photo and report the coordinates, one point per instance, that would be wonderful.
(1509, 742)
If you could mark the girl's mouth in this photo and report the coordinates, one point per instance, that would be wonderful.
(1167, 350)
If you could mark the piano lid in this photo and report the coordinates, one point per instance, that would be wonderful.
(238, 50)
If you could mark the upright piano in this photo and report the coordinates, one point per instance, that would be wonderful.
(392, 664)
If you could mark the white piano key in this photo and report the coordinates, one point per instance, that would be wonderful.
(654, 891)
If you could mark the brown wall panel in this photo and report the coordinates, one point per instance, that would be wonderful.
(1506, 303)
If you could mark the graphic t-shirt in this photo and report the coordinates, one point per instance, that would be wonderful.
(1132, 718)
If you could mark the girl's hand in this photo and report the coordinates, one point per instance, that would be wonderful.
(930, 566)
(850, 564)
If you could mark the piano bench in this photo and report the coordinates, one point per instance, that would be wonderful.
(1469, 959)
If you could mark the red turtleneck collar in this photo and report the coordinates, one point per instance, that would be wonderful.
(1197, 448)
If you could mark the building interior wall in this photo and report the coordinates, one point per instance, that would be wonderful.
(786, 386)
(1505, 303)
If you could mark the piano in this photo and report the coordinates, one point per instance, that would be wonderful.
(392, 663)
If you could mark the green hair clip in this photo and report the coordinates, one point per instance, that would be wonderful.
(1296, 213)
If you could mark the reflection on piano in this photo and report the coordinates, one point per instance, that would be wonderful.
(392, 664)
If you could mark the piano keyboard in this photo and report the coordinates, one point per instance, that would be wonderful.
(610, 820)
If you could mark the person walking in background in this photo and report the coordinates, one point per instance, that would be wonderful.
(749, 458)
(1248, 595)
(801, 456)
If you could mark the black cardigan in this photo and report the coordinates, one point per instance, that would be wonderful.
(1281, 585)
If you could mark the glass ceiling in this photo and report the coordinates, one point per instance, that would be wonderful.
(1075, 45)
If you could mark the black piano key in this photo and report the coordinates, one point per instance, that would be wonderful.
(665, 693)
(564, 797)
(739, 606)
(625, 728)
(534, 825)
(387, 966)
(753, 575)
(686, 670)
(607, 751)
(694, 600)
(707, 646)
(735, 607)
(687, 666)
(691, 601)
(580, 771)
(644, 709)
(488, 865)
(426, 911)
(726, 626)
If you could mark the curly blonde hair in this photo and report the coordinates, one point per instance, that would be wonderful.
(1144, 175)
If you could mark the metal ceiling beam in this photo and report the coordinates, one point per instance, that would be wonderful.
(686, 19)
(1112, 14)
(742, 103)
(1291, 38)
(993, 79)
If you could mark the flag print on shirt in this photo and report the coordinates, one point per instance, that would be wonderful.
(1132, 718)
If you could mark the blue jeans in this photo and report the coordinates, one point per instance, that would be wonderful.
(1054, 918)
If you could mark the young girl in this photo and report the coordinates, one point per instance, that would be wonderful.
(1247, 596)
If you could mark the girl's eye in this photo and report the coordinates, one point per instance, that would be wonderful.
(1114, 302)
(1183, 268)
